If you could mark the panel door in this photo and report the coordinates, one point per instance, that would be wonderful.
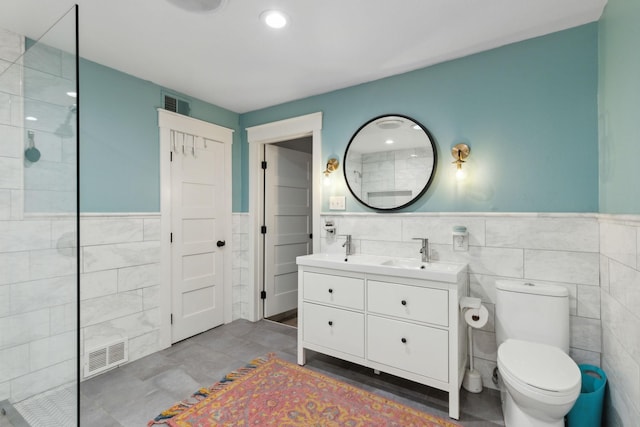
(288, 220)
(198, 224)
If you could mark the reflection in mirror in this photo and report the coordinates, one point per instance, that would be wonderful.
(390, 162)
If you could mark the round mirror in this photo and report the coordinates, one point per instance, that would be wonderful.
(390, 162)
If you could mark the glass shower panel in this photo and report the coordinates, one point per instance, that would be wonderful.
(38, 224)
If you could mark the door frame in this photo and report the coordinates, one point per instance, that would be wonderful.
(168, 121)
(269, 133)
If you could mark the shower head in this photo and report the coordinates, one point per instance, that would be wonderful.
(65, 130)
(32, 154)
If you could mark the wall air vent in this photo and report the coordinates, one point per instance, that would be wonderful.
(103, 358)
(177, 105)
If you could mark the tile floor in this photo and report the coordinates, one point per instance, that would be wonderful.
(131, 395)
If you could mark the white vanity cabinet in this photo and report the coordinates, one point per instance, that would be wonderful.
(403, 326)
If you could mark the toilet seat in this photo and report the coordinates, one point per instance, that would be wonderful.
(540, 371)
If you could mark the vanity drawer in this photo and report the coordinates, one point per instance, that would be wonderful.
(418, 349)
(341, 291)
(334, 328)
(409, 302)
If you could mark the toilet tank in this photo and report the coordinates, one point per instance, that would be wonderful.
(532, 312)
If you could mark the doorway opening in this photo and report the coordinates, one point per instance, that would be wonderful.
(287, 223)
(278, 227)
(289, 318)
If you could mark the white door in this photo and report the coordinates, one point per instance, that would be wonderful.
(198, 227)
(288, 219)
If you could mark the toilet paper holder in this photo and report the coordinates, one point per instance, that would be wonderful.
(470, 302)
(472, 380)
(475, 304)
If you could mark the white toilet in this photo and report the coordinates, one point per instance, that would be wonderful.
(540, 381)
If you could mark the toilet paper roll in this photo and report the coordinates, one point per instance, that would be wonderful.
(476, 317)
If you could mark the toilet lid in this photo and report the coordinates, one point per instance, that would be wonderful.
(539, 365)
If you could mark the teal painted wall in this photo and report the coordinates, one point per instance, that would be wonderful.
(619, 96)
(119, 145)
(528, 110)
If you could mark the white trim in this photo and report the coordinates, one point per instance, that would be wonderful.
(469, 214)
(168, 121)
(120, 214)
(257, 136)
(627, 219)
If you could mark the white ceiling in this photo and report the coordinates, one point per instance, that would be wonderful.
(230, 59)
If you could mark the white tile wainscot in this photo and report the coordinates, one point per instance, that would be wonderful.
(120, 281)
(501, 246)
(540, 247)
(240, 265)
(620, 296)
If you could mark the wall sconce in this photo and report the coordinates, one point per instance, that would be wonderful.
(460, 152)
(332, 165)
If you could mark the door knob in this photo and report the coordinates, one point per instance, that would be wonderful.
(220, 243)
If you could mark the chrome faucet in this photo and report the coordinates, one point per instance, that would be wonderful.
(424, 250)
(348, 247)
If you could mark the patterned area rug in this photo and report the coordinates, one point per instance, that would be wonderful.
(272, 392)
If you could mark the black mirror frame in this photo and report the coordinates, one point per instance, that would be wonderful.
(427, 185)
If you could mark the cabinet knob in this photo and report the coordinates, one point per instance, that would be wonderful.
(330, 323)
(403, 302)
(404, 340)
(330, 290)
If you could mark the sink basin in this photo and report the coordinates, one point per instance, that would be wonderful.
(341, 258)
(405, 263)
(384, 265)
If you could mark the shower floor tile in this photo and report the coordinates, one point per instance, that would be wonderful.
(53, 408)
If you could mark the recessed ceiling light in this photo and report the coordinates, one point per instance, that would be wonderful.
(389, 124)
(72, 94)
(274, 18)
(31, 118)
(199, 5)
(389, 141)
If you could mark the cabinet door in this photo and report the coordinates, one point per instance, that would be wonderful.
(334, 328)
(418, 349)
(408, 302)
(341, 291)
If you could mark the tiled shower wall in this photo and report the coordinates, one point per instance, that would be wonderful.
(11, 133)
(620, 293)
(406, 167)
(37, 306)
(546, 248)
(37, 258)
(50, 183)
